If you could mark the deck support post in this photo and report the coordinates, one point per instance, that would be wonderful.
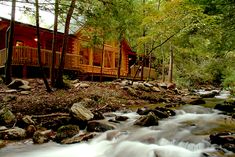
(24, 71)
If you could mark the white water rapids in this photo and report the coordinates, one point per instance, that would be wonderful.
(178, 136)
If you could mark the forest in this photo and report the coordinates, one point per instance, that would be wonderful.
(191, 41)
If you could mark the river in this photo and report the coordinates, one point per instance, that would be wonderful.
(184, 135)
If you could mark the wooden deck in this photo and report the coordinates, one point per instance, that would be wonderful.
(27, 56)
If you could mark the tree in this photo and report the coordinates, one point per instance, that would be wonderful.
(59, 79)
(54, 43)
(39, 48)
(10, 45)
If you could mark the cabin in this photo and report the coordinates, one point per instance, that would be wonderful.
(81, 60)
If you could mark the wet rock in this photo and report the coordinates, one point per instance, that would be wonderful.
(113, 120)
(121, 118)
(225, 108)
(6, 117)
(78, 139)
(2, 128)
(147, 120)
(226, 140)
(209, 94)
(97, 115)
(41, 137)
(9, 98)
(81, 113)
(193, 100)
(15, 84)
(125, 83)
(160, 114)
(167, 111)
(30, 130)
(99, 126)
(13, 134)
(148, 84)
(66, 131)
(143, 111)
(141, 86)
(2, 144)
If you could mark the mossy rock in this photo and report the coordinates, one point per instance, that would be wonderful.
(66, 131)
(6, 117)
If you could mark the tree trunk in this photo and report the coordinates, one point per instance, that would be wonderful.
(10, 45)
(163, 64)
(102, 63)
(52, 72)
(120, 59)
(59, 80)
(39, 49)
(170, 73)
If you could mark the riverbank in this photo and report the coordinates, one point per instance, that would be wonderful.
(60, 115)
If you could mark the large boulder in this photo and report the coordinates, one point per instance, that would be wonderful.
(147, 120)
(193, 100)
(17, 83)
(13, 134)
(41, 137)
(66, 131)
(226, 140)
(6, 117)
(121, 118)
(79, 112)
(225, 108)
(99, 126)
(80, 138)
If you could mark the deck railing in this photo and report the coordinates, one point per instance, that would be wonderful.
(3, 56)
(23, 55)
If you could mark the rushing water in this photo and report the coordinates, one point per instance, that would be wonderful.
(180, 136)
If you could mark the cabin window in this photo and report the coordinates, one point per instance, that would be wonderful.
(84, 56)
(97, 57)
(19, 43)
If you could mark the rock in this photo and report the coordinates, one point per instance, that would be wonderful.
(11, 91)
(78, 139)
(125, 83)
(66, 131)
(156, 89)
(9, 98)
(193, 100)
(160, 114)
(148, 84)
(2, 128)
(2, 144)
(141, 86)
(40, 137)
(75, 81)
(81, 85)
(147, 120)
(99, 126)
(162, 85)
(28, 120)
(209, 94)
(230, 101)
(87, 102)
(171, 86)
(25, 92)
(30, 130)
(6, 117)
(15, 84)
(168, 111)
(131, 91)
(25, 87)
(226, 140)
(81, 113)
(225, 108)
(143, 111)
(13, 134)
(97, 115)
(121, 118)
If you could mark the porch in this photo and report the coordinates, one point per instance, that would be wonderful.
(28, 57)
